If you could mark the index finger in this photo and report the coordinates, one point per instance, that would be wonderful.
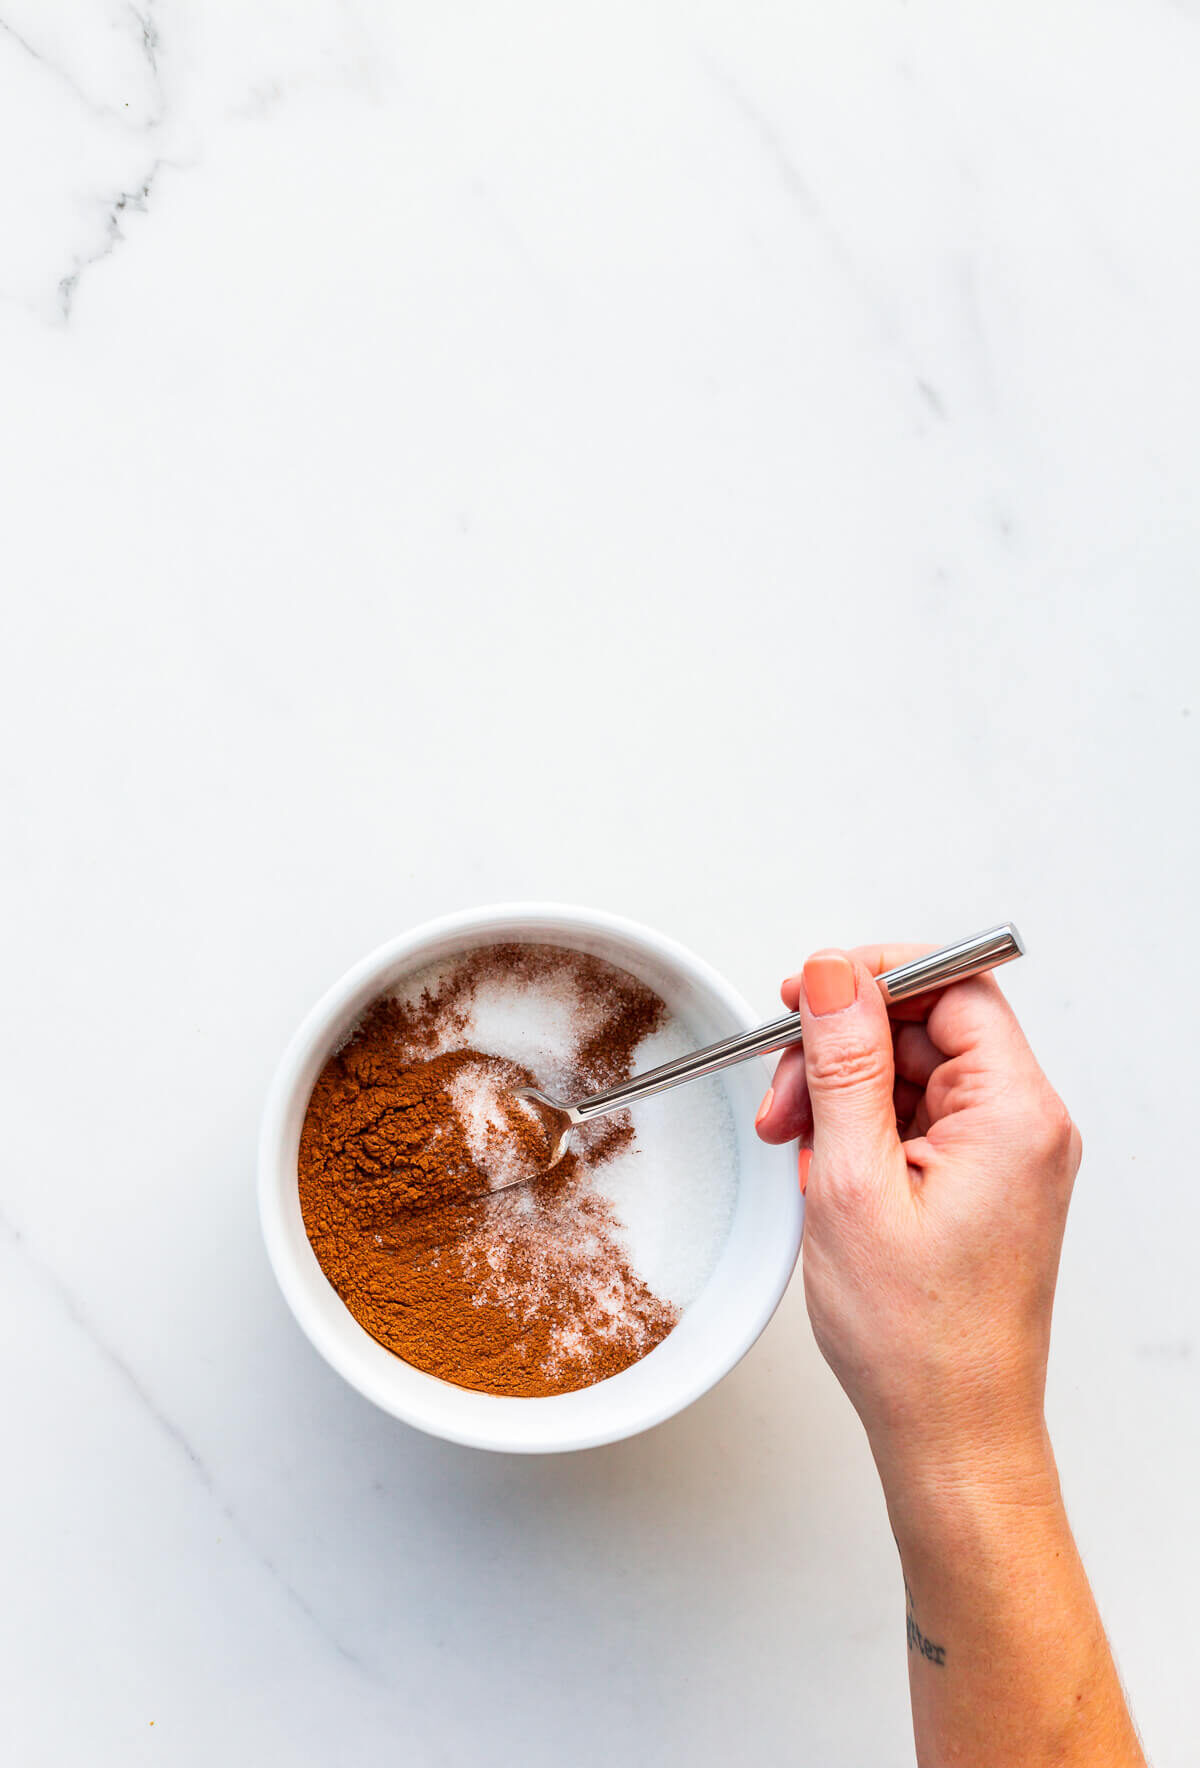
(973, 1014)
(880, 958)
(877, 959)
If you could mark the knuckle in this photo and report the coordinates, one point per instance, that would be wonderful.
(835, 1068)
(1054, 1132)
(1074, 1154)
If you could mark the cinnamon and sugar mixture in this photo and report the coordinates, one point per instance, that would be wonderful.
(411, 1127)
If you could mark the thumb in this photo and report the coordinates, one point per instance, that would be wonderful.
(850, 1068)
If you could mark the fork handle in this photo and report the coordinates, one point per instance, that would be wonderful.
(953, 963)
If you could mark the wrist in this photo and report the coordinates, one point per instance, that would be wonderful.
(943, 1492)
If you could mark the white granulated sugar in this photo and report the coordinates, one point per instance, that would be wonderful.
(536, 1024)
(673, 1191)
(534, 1021)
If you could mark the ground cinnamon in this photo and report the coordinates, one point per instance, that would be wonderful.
(522, 1292)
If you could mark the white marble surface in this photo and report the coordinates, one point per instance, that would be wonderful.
(770, 431)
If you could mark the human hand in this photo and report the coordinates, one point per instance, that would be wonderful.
(938, 1163)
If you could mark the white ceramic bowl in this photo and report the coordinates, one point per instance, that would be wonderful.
(714, 1332)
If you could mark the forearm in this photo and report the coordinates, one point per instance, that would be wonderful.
(1008, 1663)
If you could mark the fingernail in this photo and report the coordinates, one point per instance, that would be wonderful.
(806, 1155)
(829, 982)
(765, 1106)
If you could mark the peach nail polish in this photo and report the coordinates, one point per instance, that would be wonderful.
(829, 982)
(806, 1155)
(765, 1106)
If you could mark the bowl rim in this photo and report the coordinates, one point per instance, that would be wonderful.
(315, 1026)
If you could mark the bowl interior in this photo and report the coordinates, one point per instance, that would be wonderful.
(715, 1331)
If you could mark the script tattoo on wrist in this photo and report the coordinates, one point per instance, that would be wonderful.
(917, 1641)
